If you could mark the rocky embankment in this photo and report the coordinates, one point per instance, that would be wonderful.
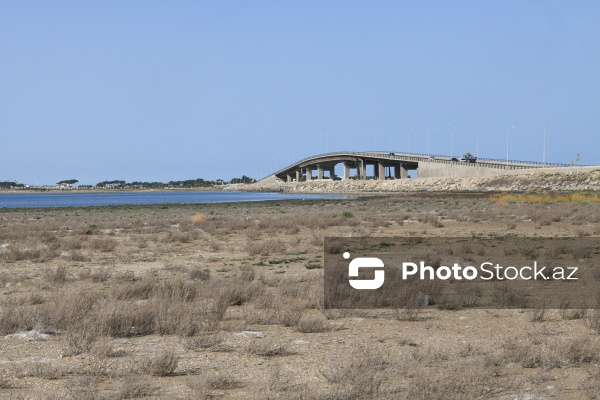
(547, 179)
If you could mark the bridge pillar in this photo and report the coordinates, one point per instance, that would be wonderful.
(319, 172)
(298, 175)
(346, 171)
(361, 169)
(289, 177)
(380, 171)
(397, 171)
(403, 172)
(308, 173)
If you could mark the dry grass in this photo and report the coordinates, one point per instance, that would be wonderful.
(268, 348)
(582, 197)
(163, 364)
(239, 313)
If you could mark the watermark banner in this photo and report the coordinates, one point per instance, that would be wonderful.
(450, 273)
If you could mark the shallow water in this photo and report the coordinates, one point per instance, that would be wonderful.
(78, 199)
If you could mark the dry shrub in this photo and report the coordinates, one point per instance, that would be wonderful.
(15, 319)
(280, 381)
(573, 313)
(56, 276)
(268, 348)
(175, 289)
(80, 340)
(15, 253)
(105, 245)
(582, 252)
(236, 293)
(316, 240)
(68, 309)
(265, 248)
(125, 318)
(509, 296)
(260, 316)
(95, 275)
(557, 353)
(582, 232)
(247, 275)
(77, 256)
(163, 364)
(141, 289)
(198, 274)
(459, 381)
(358, 376)
(409, 313)
(203, 341)
(593, 320)
(174, 317)
(522, 353)
(198, 388)
(72, 243)
(313, 323)
(180, 237)
(538, 315)
(221, 380)
(591, 385)
(198, 218)
(134, 387)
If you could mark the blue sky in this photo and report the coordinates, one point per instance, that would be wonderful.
(158, 90)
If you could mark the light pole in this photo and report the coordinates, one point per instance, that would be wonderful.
(361, 140)
(477, 150)
(451, 136)
(512, 127)
(544, 158)
(429, 141)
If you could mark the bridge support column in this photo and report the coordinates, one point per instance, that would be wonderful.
(308, 173)
(298, 175)
(403, 172)
(361, 169)
(289, 177)
(319, 172)
(380, 171)
(397, 171)
(346, 171)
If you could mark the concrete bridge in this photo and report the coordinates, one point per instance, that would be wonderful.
(393, 165)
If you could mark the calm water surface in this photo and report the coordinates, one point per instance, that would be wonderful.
(32, 200)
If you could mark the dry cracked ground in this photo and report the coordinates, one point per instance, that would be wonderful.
(225, 301)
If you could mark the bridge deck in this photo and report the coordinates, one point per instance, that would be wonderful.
(410, 159)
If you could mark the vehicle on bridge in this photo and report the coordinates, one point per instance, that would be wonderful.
(468, 157)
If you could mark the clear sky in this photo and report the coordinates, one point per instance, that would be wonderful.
(171, 90)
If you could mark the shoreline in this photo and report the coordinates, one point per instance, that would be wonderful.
(545, 180)
(97, 190)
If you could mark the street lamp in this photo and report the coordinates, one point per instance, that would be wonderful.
(429, 141)
(512, 127)
(477, 151)
(361, 140)
(544, 158)
(451, 135)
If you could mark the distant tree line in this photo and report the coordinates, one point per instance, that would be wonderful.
(9, 184)
(243, 179)
(121, 184)
(68, 182)
(189, 183)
